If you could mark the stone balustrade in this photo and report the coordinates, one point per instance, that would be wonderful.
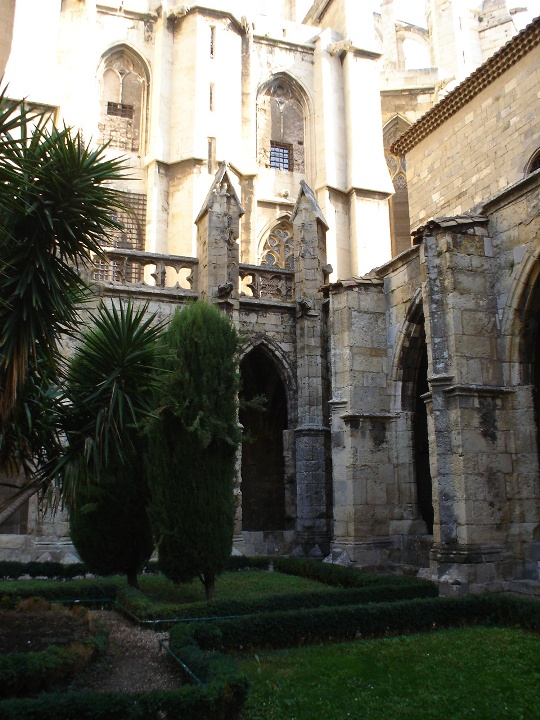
(266, 283)
(138, 270)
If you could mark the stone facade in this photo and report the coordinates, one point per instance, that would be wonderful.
(400, 429)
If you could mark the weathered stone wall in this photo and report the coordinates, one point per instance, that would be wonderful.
(480, 150)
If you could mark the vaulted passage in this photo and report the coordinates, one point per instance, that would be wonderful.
(414, 368)
(263, 466)
(421, 444)
(530, 350)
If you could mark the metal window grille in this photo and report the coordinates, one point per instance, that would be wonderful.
(129, 237)
(280, 156)
(120, 110)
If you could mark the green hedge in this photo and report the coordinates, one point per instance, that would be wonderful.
(91, 589)
(294, 628)
(9, 569)
(144, 608)
(216, 701)
(339, 575)
(27, 673)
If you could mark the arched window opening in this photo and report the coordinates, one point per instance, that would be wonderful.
(533, 164)
(280, 127)
(263, 459)
(416, 55)
(123, 100)
(398, 205)
(278, 248)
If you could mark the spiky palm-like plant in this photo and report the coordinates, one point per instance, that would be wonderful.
(109, 386)
(56, 209)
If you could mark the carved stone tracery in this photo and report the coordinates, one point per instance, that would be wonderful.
(278, 249)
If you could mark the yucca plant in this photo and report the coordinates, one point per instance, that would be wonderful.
(109, 388)
(56, 209)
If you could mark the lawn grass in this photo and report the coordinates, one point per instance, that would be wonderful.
(242, 585)
(465, 673)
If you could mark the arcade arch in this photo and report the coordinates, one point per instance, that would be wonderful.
(267, 463)
(413, 371)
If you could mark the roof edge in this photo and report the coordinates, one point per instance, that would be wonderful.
(501, 61)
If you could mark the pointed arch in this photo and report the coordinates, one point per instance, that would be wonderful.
(284, 124)
(518, 327)
(400, 224)
(284, 367)
(276, 247)
(124, 80)
(267, 469)
(404, 358)
(410, 373)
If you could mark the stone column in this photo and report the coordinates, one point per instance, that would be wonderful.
(468, 406)
(366, 500)
(312, 432)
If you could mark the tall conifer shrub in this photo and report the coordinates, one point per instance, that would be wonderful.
(192, 446)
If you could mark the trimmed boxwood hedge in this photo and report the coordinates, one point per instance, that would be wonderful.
(10, 569)
(216, 701)
(96, 589)
(15, 570)
(338, 575)
(143, 608)
(297, 627)
(27, 673)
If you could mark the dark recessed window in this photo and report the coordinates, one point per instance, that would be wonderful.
(281, 156)
(120, 110)
(534, 163)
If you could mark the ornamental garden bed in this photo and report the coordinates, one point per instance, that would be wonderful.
(210, 647)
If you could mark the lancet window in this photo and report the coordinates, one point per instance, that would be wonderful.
(280, 127)
(124, 89)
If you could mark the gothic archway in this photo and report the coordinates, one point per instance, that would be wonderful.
(529, 342)
(263, 451)
(414, 379)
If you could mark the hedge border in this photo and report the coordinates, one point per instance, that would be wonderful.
(23, 673)
(54, 570)
(299, 627)
(146, 610)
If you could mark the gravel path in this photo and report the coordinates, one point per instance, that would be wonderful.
(134, 662)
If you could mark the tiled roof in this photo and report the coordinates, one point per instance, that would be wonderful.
(494, 67)
(447, 222)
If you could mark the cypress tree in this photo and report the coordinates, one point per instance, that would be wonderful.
(192, 446)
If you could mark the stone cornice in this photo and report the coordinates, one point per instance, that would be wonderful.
(280, 42)
(476, 390)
